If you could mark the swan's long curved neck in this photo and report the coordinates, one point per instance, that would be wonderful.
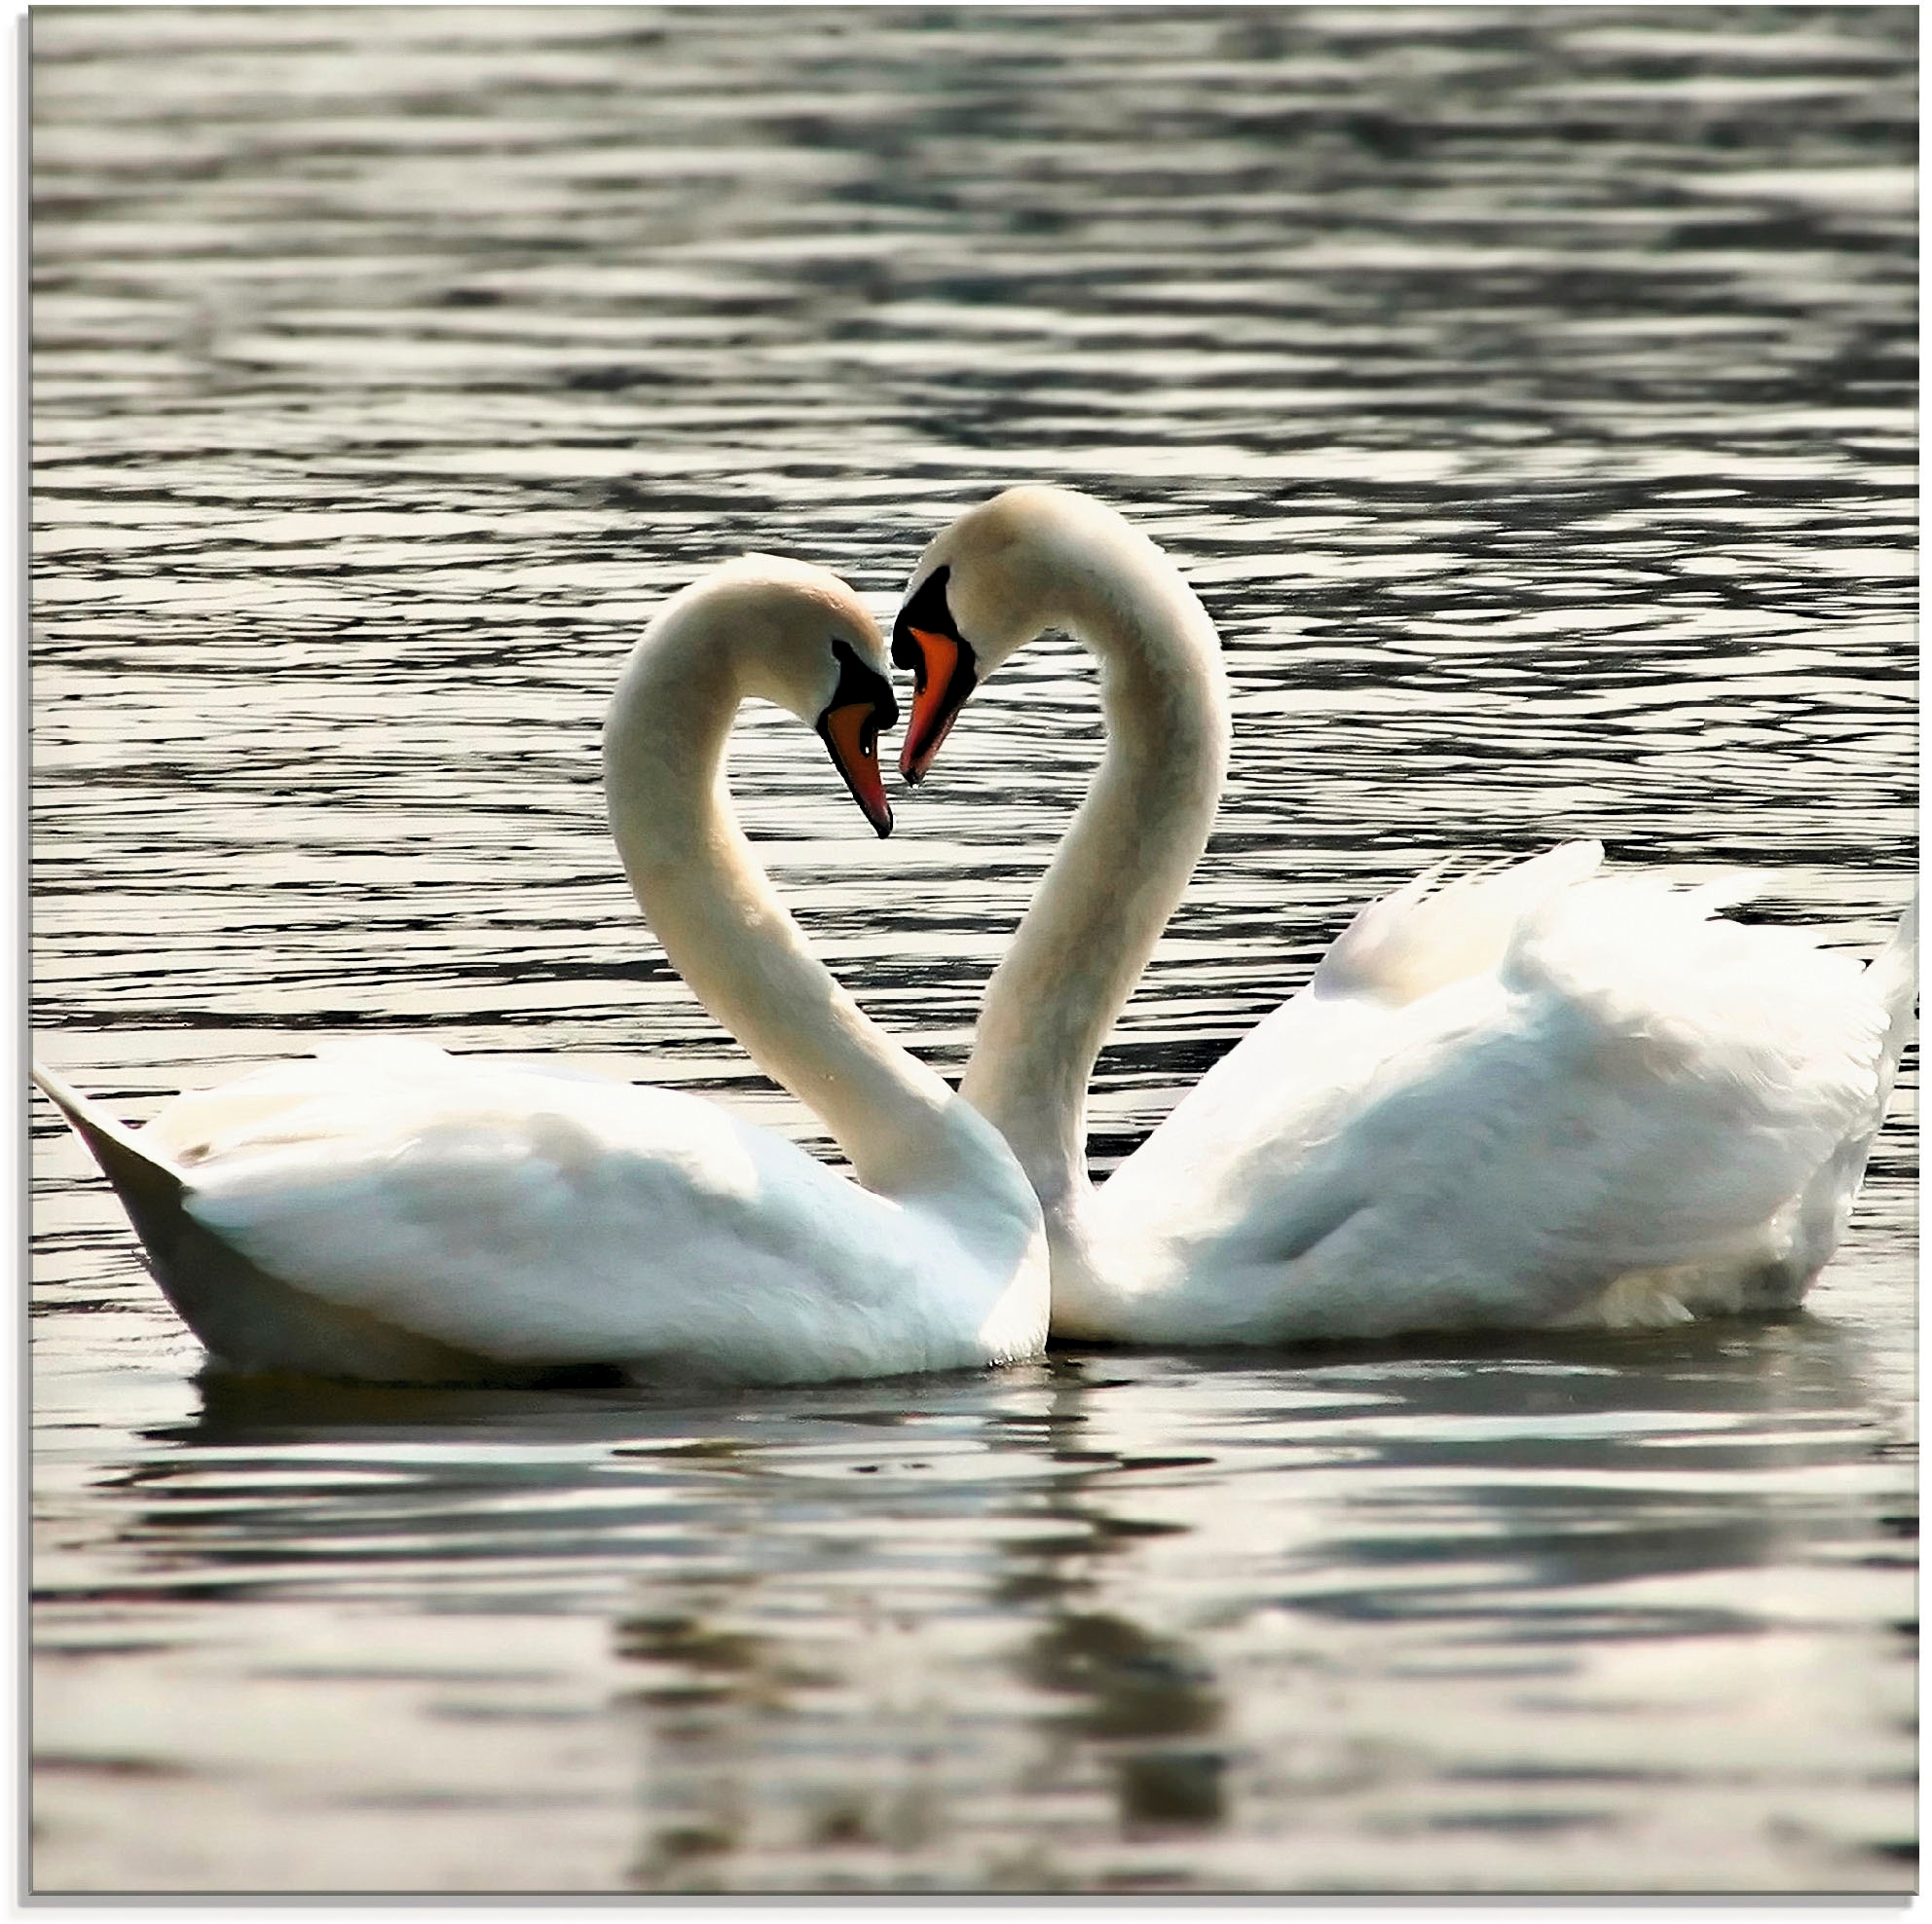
(728, 934)
(1118, 873)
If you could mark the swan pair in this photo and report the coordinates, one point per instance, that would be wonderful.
(1530, 1097)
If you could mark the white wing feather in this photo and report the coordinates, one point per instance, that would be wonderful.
(1422, 936)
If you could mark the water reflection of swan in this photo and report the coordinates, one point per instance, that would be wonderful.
(1525, 1098)
(1029, 1626)
(393, 1212)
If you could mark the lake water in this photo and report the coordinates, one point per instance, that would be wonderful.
(1528, 394)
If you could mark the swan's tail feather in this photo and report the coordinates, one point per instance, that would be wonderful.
(246, 1317)
(1825, 1208)
(1894, 976)
(150, 1188)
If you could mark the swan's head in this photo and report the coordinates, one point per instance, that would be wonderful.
(1029, 559)
(798, 637)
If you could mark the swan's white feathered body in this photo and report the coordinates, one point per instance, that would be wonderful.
(536, 1217)
(1536, 1096)
(1530, 1098)
(391, 1212)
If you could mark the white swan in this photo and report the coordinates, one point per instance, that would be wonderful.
(390, 1213)
(1529, 1097)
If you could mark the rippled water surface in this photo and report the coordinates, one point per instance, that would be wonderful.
(1526, 391)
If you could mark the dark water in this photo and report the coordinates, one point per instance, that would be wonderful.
(1527, 391)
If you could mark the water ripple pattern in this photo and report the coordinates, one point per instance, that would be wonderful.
(1528, 394)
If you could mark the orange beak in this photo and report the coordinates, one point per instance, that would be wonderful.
(851, 734)
(944, 676)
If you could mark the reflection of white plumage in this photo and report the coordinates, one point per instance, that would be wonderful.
(389, 1212)
(1532, 1097)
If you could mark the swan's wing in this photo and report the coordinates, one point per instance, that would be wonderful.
(286, 1102)
(1430, 933)
(536, 1218)
(1638, 1086)
(1278, 1084)
(320, 1098)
